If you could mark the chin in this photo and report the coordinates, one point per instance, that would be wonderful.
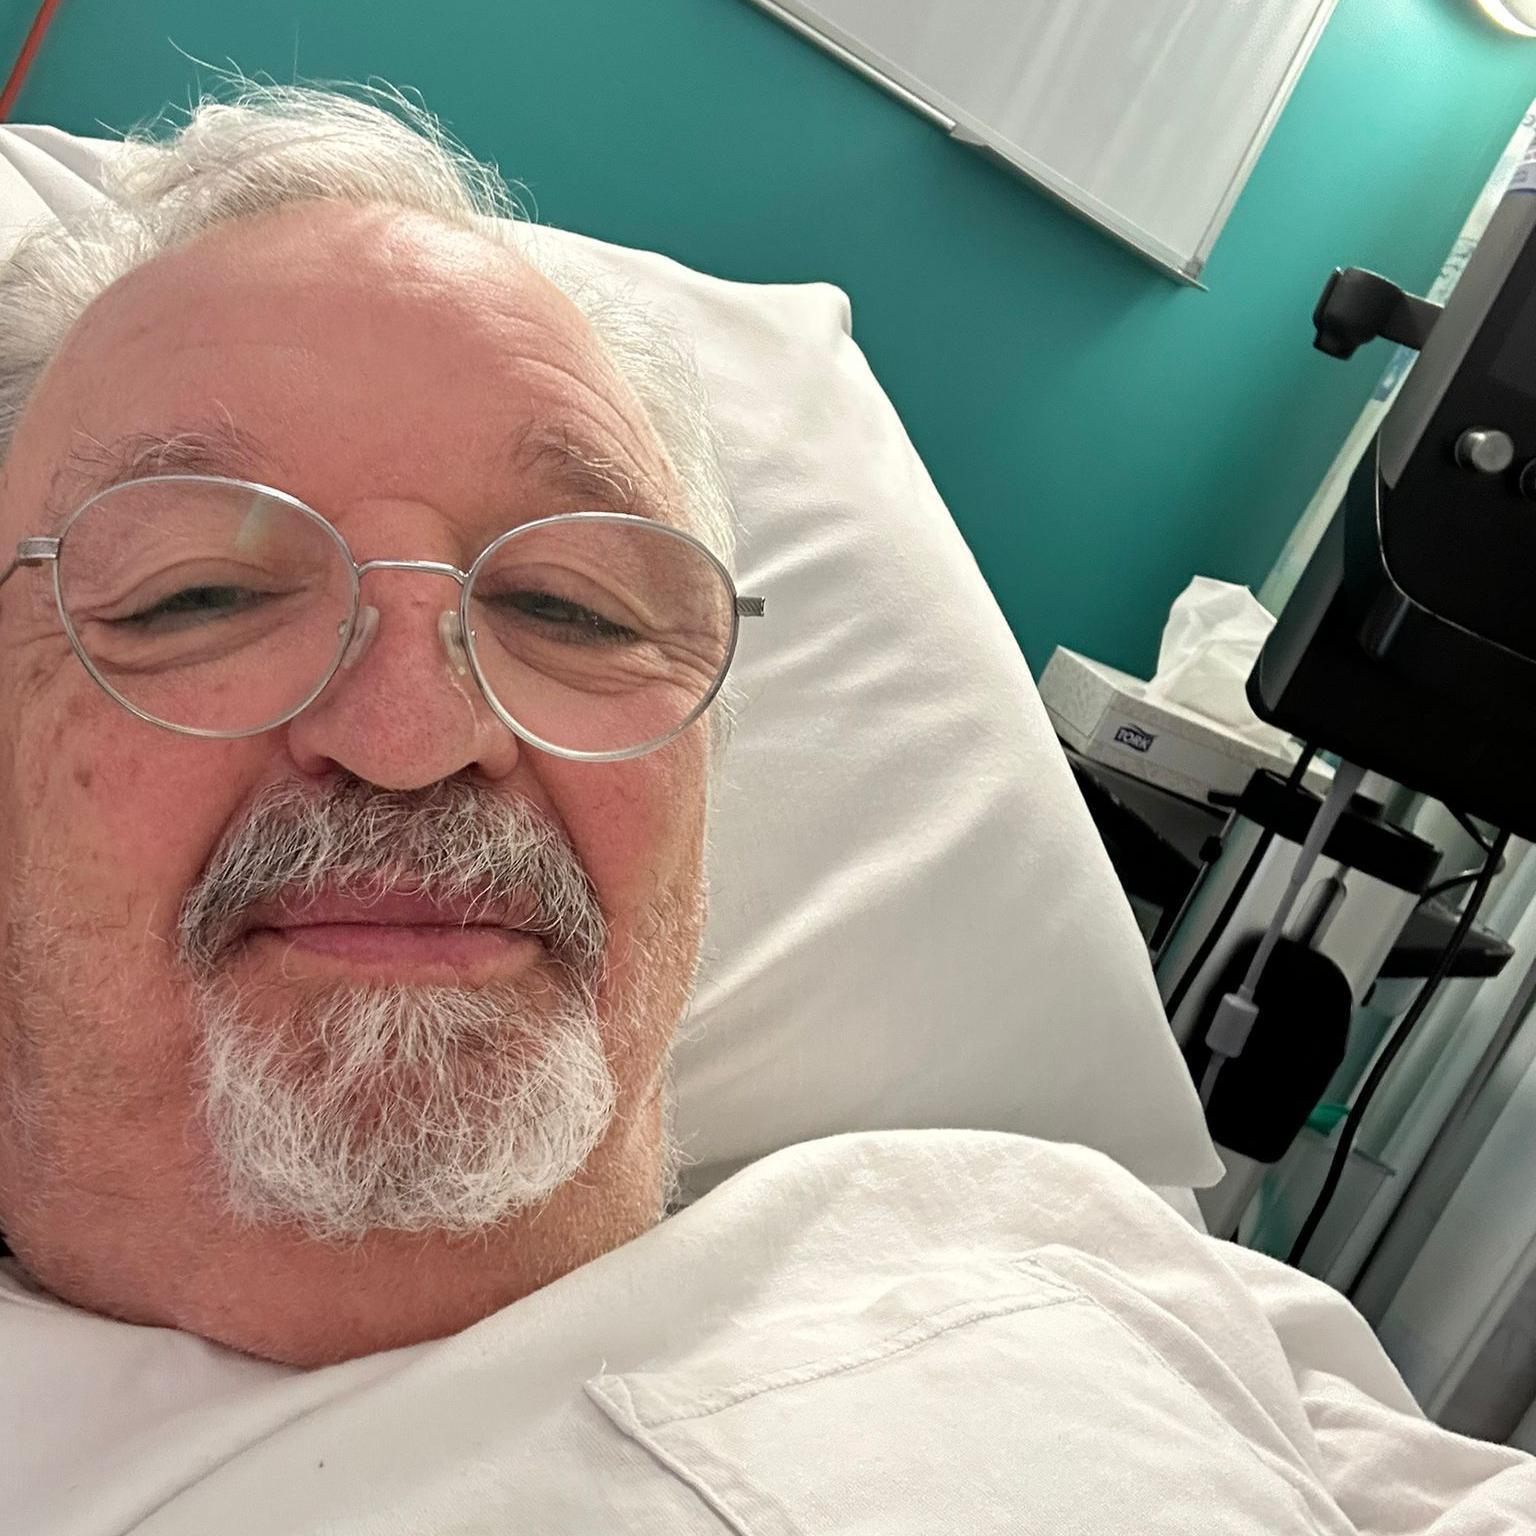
(400, 1108)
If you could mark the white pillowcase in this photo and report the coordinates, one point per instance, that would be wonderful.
(913, 919)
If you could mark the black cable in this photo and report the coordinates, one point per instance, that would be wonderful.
(1440, 887)
(1234, 898)
(1389, 1053)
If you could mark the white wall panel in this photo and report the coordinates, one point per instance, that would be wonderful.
(1144, 115)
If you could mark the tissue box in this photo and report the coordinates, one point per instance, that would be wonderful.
(1105, 715)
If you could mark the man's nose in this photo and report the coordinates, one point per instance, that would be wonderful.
(404, 710)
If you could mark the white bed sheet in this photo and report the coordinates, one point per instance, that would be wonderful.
(1182, 1199)
(891, 1332)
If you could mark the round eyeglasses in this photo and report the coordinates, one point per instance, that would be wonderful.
(222, 608)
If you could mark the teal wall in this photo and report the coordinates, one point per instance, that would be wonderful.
(1100, 433)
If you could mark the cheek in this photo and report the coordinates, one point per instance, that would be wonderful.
(636, 826)
(117, 815)
(638, 830)
(107, 822)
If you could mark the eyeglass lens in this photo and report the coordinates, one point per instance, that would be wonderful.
(599, 636)
(213, 607)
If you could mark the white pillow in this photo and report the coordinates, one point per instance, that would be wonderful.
(913, 922)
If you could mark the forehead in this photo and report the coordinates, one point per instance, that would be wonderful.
(358, 353)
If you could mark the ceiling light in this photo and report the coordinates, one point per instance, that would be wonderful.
(1518, 16)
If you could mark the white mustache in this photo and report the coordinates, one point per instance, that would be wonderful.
(455, 840)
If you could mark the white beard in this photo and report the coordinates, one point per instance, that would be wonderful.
(399, 1108)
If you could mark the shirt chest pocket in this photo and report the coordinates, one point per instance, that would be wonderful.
(994, 1398)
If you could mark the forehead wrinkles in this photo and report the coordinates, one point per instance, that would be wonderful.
(517, 368)
(605, 429)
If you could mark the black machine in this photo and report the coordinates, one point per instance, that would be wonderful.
(1409, 645)
(1408, 649)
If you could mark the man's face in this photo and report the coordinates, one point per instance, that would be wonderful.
(419, 388)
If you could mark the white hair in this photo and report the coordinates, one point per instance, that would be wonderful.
(271, 146)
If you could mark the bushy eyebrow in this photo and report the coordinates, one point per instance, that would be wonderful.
(584, 471)
(603, 480)
(91, 466)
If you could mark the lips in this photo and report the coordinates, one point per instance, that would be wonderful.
(403, 935)
(386, 909)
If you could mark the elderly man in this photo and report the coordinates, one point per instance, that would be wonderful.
(405, 970)
(369, 598)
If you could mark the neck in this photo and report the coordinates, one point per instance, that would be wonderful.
(281, 1296)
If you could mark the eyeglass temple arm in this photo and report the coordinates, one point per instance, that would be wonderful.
(746, 607)
(30, 552)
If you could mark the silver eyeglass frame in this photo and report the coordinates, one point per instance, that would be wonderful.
(45, 550)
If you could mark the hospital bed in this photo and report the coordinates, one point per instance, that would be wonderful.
(913, 921)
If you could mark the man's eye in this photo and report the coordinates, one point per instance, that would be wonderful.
(192, 605)
(571, 621)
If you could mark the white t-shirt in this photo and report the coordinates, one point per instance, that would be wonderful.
(885, 1333)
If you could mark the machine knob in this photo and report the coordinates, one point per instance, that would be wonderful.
(1486, 450)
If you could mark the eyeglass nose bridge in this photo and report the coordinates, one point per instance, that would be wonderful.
(450, 623)
(440, 567)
